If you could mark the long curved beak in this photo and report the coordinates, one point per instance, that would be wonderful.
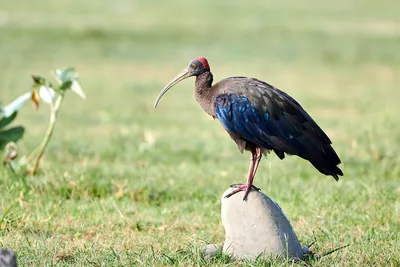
(180, 77)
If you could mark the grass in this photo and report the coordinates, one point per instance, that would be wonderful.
(124, 184)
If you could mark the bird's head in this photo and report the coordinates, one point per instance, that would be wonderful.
(196, 67)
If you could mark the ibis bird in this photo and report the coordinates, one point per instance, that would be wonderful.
(260, 118)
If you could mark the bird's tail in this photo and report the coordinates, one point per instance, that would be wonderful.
(327, 163)
(332, 170)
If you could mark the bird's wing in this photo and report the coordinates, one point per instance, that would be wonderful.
(268, 117)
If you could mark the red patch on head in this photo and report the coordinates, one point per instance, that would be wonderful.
(204, 62)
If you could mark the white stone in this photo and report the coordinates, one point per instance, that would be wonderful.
(257, 227)
(7, 258)
(211, 249)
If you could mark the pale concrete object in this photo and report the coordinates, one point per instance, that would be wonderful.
(7, 258)
(211, 249)
(257, 226)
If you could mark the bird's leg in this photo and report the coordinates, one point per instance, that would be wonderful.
(251, 172)
(258, 159)
(258, 155)
(255, 158)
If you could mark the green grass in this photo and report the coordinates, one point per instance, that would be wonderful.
(124, 184)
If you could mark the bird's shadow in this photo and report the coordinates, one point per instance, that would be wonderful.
(311, 256)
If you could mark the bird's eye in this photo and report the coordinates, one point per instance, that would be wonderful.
(194, 66)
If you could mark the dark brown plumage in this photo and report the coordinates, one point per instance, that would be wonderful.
(260, 118)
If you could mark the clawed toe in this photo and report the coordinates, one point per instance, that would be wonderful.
(233, 192)
(241, 187)
(238, 185)
(255, 188)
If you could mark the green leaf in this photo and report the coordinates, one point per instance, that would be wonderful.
(47, 94)
(65, 85)
(65, 75)
(21, 161)
(11, 135)
(16, 104)
(38, 80)
(6, 121)
(77, 89)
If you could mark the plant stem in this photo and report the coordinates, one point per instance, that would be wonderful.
(52, 122)
(12, 166)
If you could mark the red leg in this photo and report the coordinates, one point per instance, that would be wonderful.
(254, 162)
(258, 159)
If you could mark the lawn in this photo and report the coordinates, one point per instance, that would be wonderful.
(124, 184)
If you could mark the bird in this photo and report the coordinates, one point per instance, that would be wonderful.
(260, 118)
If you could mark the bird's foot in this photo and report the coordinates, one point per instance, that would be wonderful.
(238, 185)
(241, 187)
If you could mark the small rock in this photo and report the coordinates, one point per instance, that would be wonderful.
(257, 226)
(306, 250)
(7, 258)
(211, 249)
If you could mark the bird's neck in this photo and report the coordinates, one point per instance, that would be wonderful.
(204, 92)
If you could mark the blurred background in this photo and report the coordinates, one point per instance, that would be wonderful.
(166, 168)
